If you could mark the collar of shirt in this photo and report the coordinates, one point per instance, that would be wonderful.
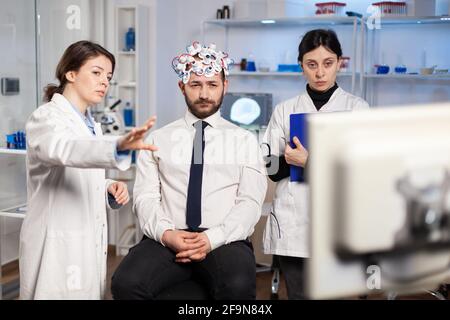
(88, 119)
(213, 120)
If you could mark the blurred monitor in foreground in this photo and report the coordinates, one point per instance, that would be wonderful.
(247, 110)
(380, 201)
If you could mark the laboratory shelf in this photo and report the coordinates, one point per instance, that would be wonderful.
(265, 74)
(328, 21)
(277, 74)
(283, 22)
(127, 52)
(414, 20)
(12, 151)
(17, 211)
(127, 85)
(409, 76)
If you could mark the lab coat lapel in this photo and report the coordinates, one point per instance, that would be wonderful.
(63, 104)
(334, 104)
(98, 129)
(307, 104)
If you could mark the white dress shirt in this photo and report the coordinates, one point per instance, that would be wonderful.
(233, 187)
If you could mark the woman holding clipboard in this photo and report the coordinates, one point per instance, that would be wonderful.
(286, 233)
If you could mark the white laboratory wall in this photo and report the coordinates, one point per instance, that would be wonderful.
(62, 22)
(415, 46)
(394, 44)
(17, 59)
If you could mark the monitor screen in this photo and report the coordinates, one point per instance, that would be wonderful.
(380, 201)
(248, 110)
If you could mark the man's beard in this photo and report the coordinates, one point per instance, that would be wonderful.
(206, 113)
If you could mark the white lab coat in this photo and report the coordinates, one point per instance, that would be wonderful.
(63, 240)
(287, 227)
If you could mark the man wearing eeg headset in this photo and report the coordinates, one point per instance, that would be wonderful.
(196, 208)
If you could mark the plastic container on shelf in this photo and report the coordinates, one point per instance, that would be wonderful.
(16, 140)
(226, 12)
(11, 141)
(289, 68)
(130, 40)
(345, 66)
(219, 14)
(263, 65)
(391, 8)
(330, 8)
(251, 66)
(381, 69)
(128, 115)
(400, 69)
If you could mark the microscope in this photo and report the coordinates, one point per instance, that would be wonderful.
(112, 122)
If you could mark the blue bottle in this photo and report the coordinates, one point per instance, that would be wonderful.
(22, 140)
(130, 40)
(10, 141)
(19, 140)
(128, 115)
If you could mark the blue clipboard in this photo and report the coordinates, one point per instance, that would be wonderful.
(298, 129)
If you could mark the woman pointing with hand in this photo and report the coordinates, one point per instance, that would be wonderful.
(63, 241)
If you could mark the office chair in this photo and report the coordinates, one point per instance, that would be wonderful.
(275, 284)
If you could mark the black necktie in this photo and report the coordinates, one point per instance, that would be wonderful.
(194, 194)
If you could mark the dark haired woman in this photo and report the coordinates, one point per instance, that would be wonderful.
(286, 233)
(63, 241)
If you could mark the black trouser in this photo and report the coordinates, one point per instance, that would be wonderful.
(228, 272)
(293, 269)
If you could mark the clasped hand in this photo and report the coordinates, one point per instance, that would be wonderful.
(188, 246)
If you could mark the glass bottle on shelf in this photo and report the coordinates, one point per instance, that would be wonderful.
(130, 40)
(128, 115)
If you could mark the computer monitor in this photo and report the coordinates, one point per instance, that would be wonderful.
(248, 110)
(380, 201)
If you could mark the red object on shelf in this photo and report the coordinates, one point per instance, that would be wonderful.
(329, 7)
(339, 4)
(391, 7)
(389, 3)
